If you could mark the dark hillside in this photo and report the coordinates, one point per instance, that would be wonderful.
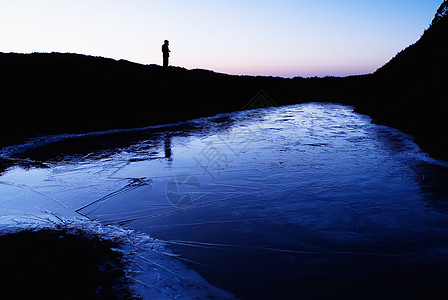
(409, 92)
(57, 93)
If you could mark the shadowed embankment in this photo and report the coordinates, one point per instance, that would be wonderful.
(60, 265)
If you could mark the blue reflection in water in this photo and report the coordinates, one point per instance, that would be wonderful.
(307, 201)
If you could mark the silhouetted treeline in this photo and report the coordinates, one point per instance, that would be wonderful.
(45, 93)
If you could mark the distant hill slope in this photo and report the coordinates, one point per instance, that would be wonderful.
(426, 58)
(409, 92)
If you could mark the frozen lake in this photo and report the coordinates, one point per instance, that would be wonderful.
(309, 200)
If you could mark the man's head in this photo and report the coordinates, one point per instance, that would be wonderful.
(166, 42)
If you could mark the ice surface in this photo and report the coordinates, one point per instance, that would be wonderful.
(277, 195)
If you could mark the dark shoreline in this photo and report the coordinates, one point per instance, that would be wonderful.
(55, 264)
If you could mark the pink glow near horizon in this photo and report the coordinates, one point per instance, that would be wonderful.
(279, 38)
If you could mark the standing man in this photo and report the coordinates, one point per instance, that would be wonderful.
(166, 53)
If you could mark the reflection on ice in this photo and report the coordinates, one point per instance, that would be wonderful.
(295, 198)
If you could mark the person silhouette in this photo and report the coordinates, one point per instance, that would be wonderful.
(166, 53)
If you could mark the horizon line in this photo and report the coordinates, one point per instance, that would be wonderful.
(193, 69)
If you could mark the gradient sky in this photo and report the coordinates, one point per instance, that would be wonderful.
(279, 38)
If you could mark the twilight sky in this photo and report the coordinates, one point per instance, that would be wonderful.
(256, 37)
